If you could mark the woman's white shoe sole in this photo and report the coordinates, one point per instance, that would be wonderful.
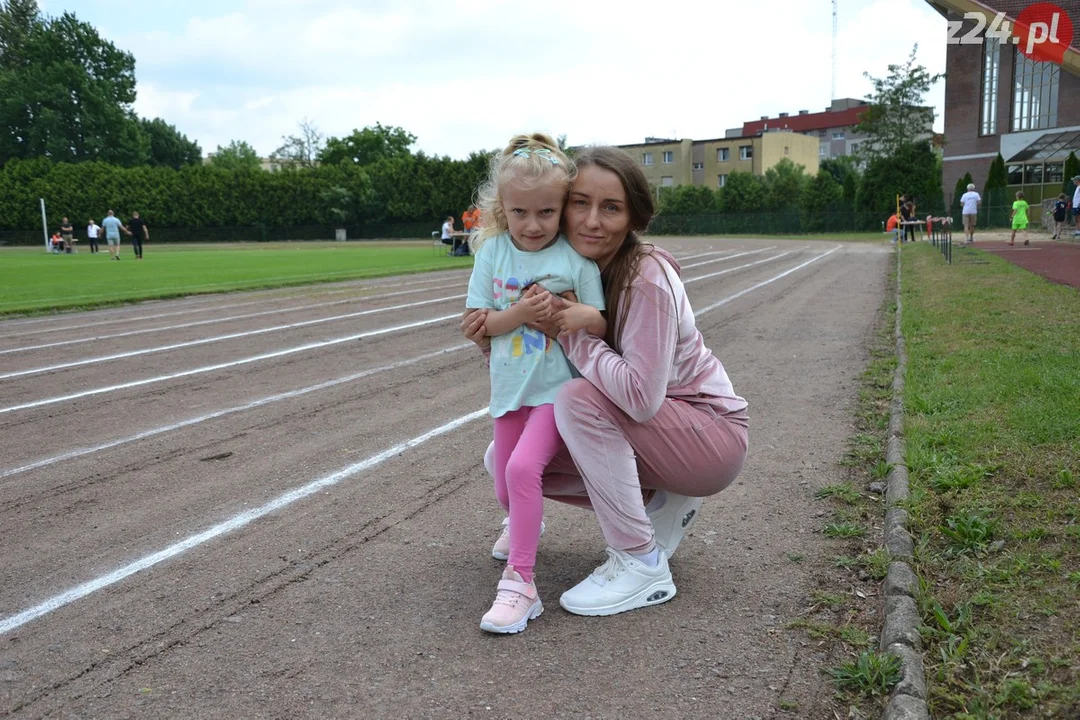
(655, 594)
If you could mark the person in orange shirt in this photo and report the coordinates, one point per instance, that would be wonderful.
(467, 219)
(892, 225)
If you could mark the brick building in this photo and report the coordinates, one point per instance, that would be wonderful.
(834, 128)
(997, 100)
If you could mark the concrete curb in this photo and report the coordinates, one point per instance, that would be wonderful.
(900, 631)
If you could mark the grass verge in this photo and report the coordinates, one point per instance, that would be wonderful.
(992, 430)
(843, 612)
(32, 281)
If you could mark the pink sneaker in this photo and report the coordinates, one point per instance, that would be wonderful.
(515, 605)
(501, 549)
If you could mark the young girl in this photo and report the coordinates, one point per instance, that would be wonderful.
(1061, 210)
(521, 204)
(1019, 217)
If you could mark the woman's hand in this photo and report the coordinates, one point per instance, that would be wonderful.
(577, 316)
(473, 327)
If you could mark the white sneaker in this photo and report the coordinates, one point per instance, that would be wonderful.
(622, 583)
(673, 519)
(501, 549)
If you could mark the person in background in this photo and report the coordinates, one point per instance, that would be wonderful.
(113, 227)
(1019, 218)
(67, 233)
(467, 219)
(138, 231)
(907, 215)
(92, 230)
(1076, 203)
(57, 243)
(969, 206)
(1061, 211)
(448, 233)
(892, 225)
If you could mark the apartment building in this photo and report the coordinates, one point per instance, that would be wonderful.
(668, 162)
(998, 100)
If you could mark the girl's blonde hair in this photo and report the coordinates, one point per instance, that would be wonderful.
(535, 159)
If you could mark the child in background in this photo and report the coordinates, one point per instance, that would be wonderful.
(1061, 211)
(522, 202)
(892, 225)
(1019, 217)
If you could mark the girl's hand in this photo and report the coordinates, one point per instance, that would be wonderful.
(534, 306)
(473, 327)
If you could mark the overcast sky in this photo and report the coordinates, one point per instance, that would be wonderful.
(465, 75)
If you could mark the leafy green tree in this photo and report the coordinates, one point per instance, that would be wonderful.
(896, 115)
(68, 96)
(958, 191)
(18, 18)
(743, 192)
(911, 170)
(822, 197)
(303, 150)
(784, 183)
(237, 155)
(687, 200)
(168, 146)
(845, 170)
(367, 146)
(1072, 169)
(995, 193)
(336, 204)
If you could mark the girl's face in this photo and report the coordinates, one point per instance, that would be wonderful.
(532, 212)
(597, 215)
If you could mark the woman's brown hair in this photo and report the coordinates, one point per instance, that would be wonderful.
(621, 270)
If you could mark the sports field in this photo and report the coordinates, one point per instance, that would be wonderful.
(33, 281)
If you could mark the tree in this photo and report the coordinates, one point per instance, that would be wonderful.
(995, 193)
(301, 150)
(367, 146)
(1072, 169)
(911, 170)
(743, 192)
(784, 184)
(237, 155)
(687, 200)
(336, 205)
(18, 18)
(958, 191)
(822, 197)
(66, 93)
(168, 146)
(896, 115)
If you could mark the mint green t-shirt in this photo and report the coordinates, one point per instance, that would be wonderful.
(527, 367)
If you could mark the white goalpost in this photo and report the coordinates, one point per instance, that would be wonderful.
(45, 226)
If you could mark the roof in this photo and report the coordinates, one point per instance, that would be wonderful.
(1051, 146)
(805, 123)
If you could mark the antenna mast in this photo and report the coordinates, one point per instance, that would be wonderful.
(834, 9)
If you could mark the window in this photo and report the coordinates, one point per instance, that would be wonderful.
(854, 148)
(667, 181)
(699, 166)
(1054, 173)
(646, 158)
(721, 180)
(1035, 93)
(1033, 174)
(746, 152)
(722, 155)
(669, 157)
(787, 150)
(991, 71)
(823, 151)
(838, 135)
(1016, 174)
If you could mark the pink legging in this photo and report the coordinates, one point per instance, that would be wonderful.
(525, 442)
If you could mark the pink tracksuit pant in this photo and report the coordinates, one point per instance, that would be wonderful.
(607, 459)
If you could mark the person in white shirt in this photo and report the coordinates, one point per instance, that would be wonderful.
(970, 202)
(92, 231)
(1076, 203)
(448, 233)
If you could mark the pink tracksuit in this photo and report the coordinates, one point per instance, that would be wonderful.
(660, 415)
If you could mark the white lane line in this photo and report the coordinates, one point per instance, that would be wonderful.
(704, 254)
(725, 259)
(235, 409)
(763, 283)
(221, 338)
(234, 523)
(316, 306)
(736, 268)
(205, 306)
(81, 591)
(231, 363)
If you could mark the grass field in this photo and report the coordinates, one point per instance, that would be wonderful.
(993, 448)
(32, 281)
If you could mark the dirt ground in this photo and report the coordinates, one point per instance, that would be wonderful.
(258, 526)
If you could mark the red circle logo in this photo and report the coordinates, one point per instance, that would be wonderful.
(1043, 32)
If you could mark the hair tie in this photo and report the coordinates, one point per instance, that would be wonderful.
(542, 152)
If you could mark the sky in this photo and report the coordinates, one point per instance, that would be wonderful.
(466, 75)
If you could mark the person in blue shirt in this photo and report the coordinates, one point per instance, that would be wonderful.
(113, 227)
(520, 245)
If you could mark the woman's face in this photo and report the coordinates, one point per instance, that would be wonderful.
(597, 215)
